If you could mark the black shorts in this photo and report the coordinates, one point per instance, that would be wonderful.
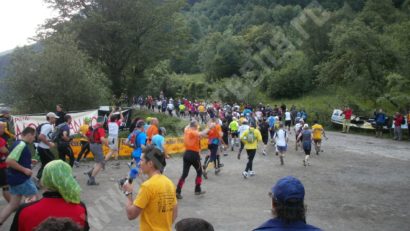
(265, 139)
(235, 134)
(287, 123)
(225, 139)
(3, 177)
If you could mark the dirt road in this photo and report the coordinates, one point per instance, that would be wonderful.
(357, 183)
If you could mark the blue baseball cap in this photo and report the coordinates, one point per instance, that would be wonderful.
(288, 188)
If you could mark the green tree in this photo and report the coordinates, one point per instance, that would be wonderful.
(125, 37)
(60, 73)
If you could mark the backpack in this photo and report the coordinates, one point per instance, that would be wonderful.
(56, 135)
(133, 139)
(90, 134)
(250, 138)
(38, 131)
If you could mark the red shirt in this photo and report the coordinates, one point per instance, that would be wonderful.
(348, 113)
(30, 215)
(97, 135)
(398, 120)
(3, 156)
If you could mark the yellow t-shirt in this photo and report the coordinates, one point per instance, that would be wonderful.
(83, 130)
(317, 130)
(257, 138)
(201, 108)
(157, 200)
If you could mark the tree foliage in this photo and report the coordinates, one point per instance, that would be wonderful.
(60, 73)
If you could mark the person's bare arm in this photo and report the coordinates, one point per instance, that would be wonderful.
(43, 139)
(132, 211)
(175, 213)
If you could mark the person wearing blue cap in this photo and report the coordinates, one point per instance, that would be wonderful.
(288, 207)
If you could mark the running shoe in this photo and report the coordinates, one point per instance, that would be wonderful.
(179, 196)
(77, 164)
(245, 174)
(252, 173)
(217, 171)
(200, 193)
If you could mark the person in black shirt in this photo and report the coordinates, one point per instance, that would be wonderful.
(60, 113)
(63, 140)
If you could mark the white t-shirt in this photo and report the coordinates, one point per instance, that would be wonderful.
(170, 106)
(281, 138)
(113, 128)
(259, 114)
(298, 127)
(242, 129)
(287, 116)
(47, 130)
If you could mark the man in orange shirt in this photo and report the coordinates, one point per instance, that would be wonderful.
(192, 157)
(214, 139)
(152, 130)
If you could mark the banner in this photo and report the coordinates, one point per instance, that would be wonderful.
(173, 145)
(22, 121)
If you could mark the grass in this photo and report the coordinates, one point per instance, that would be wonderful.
(173, 125)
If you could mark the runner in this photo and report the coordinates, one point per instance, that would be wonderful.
(214, 139)
(264, 129)
(234, 127)
(192, 157)
(113, 131)
(288, 119)
(85, 143)
(97, 140)
(251, 138)
(64, 140)
(298, 128)
(271, 122)
(182, 110)
(244, 127)
(137, 140)
(202, 113)
(281, 143)
(44, 135)
(318, 131)
(225, 136)
(306, 137)
(159, 142)
(152, 130)
(19, 173)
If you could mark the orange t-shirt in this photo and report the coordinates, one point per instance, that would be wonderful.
(215, 132)
(151, 132)
(191, 140)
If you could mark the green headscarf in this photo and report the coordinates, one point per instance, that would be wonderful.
(57, 176)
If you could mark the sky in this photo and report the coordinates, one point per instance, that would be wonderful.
(19, 20)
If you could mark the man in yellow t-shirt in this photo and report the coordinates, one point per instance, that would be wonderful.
(250, 138)
(156, 200)
(317, 131)
(85, 143)
(202, 113)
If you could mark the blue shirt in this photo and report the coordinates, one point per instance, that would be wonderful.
(21, 153)
(271, 121)
(141, 139)
(278, 225)
(158, 141)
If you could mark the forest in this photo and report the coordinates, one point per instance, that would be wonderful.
(230, 50)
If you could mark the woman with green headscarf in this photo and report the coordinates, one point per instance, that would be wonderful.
(61, 199)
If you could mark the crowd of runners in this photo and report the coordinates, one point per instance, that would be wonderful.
(229, 128)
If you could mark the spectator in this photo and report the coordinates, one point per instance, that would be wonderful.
(398, 121)
(347, 112)
(408, 121)
(19, 173)
(288, 207)
(4, 151)
(380, 119)
(61, 199)
(58, 224)
(60, 114)
(156, 201)
(193, 224)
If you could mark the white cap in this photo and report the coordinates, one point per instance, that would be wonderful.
(305, 126)
(52, 114)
